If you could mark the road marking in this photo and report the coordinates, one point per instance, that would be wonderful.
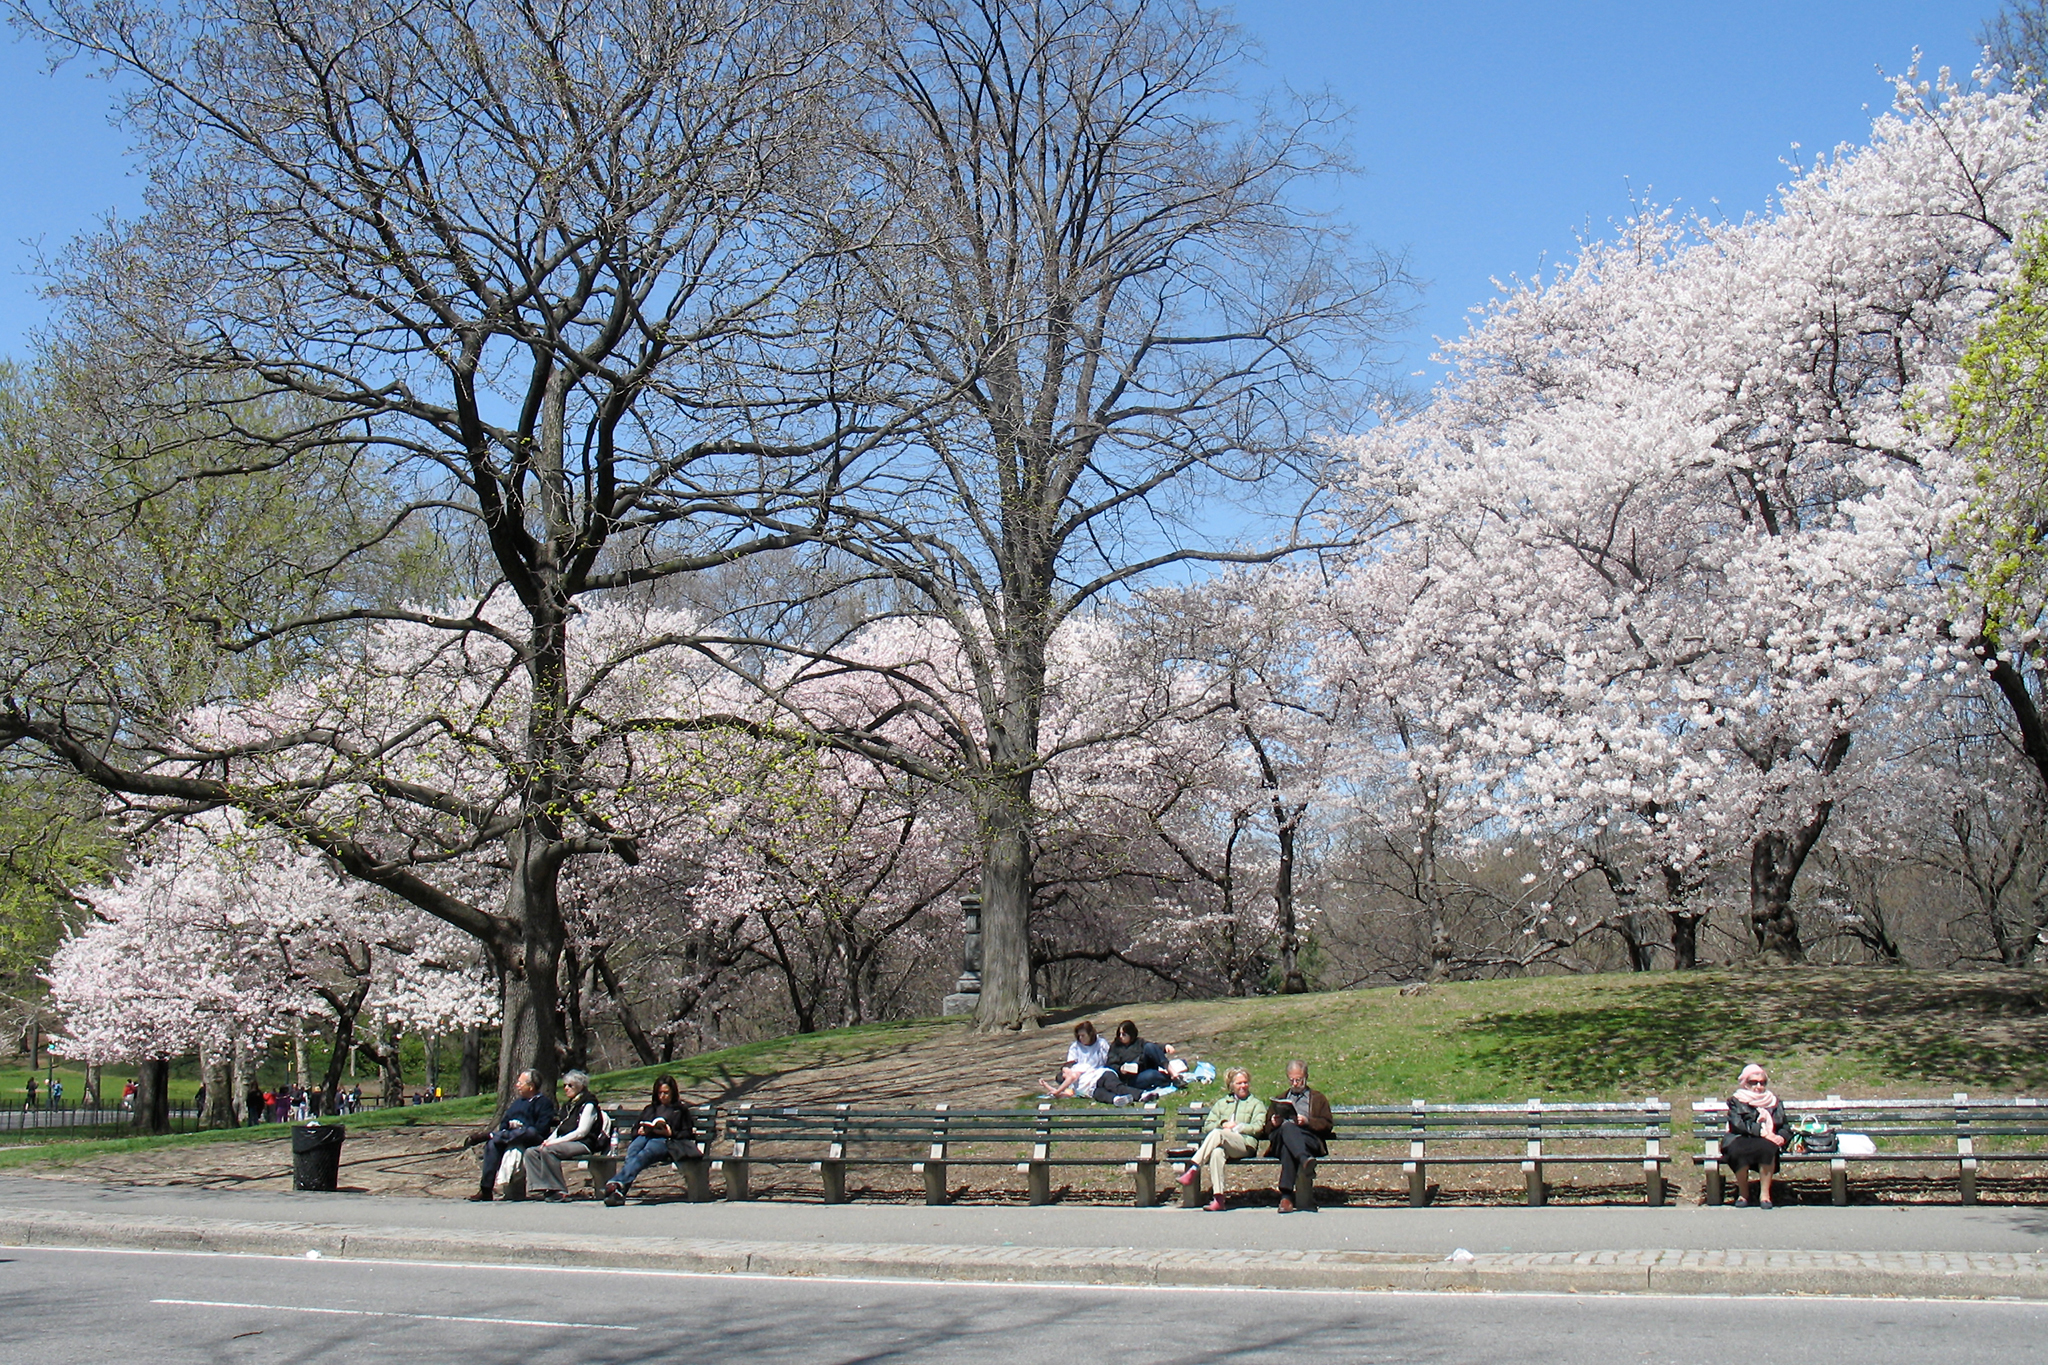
(415, 1317)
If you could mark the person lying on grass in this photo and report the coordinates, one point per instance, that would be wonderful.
(1088, 1082)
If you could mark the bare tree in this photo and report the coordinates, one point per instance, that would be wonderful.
(531, 261)
(1119, 328)
(2017, 39)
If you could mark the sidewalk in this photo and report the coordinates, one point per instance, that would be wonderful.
(1949, 1251)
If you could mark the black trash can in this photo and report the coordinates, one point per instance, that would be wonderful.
(316, 1156)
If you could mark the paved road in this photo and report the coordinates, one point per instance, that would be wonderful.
(1432, 1231)
(224, 1309)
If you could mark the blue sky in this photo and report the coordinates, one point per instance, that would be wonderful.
(1493, 132)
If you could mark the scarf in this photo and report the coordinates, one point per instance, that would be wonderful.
(1757, 1095)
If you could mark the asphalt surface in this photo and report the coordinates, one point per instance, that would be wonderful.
(104, 1305)
(1435, 1232)
(1910, 1251)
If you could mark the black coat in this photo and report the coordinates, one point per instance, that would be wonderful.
(1148, 1056)
(1745, 1121)
(535, 1119)
(682, 1132)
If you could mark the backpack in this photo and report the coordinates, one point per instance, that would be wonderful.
(606, 1137)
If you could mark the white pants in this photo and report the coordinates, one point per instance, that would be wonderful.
(1218, 1149)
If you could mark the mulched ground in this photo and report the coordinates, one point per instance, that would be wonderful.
(425, 1160)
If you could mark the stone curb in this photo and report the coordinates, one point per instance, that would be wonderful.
(2013, 1275)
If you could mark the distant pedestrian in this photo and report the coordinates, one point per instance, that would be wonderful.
(56, 1093)
(253, 1105)
(30, 1091)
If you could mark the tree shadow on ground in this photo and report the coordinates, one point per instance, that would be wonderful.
(1885, 1032)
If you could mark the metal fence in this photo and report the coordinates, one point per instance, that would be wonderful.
(78, 1120)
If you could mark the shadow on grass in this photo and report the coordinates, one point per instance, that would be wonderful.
(1691, 1033)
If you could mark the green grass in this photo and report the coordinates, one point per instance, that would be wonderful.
(1675, 1035)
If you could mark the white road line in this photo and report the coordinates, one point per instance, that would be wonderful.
(416, 1317)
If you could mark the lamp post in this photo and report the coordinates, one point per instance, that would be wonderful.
(966, 996)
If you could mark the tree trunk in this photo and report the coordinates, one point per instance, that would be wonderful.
(1292, 979)
(643, 1047)
(1007, 1001)
(217, 1074)
(347, 1009)
(1774, 862)
(393, 1067)
(238, 1080)
(1685, 939)
(89, 1095)
(1285, 820)
(531, 1037)
(575, 1035)
(153, 1096)
(472, 1061)
(302, 1076)
(1773, 925)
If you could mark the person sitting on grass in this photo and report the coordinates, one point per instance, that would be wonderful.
(1096, 1083)
(1140, 1065)
(1230, 1133)
(579, 1132)
(526, 1123)
(662, 1133)
(1087, 1049)
(1756, 1134)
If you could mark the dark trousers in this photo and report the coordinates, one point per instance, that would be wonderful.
(494, 1153)
(1296, 1145)
(1108, 1088)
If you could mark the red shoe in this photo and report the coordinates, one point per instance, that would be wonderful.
(1216, 1204)
(1287, 1203)
(1190, 1175)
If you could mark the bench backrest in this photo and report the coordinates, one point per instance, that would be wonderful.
(703, 1123)
(843, 1129)
(1957, 1118)
(1534, 1121)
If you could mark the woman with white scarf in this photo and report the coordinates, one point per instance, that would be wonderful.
(1756, 1134)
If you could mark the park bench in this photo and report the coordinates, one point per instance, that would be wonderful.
(696, 1174)
(1129, 1138)
(932, 1141)
(1531, 1136)
(1906, 1132)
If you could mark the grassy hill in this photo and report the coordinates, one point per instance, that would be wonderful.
(1859, 1032)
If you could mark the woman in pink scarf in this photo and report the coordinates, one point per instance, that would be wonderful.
(1756, 1134)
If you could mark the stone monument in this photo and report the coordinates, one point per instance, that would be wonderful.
(966, 996)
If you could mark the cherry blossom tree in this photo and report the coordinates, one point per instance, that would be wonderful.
(1679, 512)
(221, 935)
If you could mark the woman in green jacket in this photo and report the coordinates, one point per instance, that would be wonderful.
(1230, 1133)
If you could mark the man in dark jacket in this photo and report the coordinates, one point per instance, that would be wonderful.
(1299, 1124)
(527, 1122)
